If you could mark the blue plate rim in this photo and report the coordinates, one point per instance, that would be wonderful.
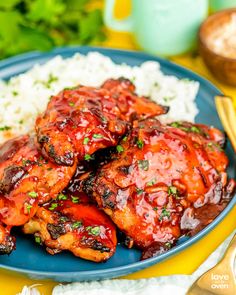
(151, 261)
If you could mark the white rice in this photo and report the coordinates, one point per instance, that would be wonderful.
(26, 95)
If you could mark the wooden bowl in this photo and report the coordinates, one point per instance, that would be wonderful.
(223, 68)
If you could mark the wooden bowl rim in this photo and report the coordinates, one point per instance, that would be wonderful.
(202, 37)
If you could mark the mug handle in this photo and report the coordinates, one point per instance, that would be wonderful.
(124, 25)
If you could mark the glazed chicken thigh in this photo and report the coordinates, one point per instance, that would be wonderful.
(82, 120)
(161, 175)
(26, 180)
(74, 224)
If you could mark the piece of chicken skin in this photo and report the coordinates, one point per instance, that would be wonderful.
(212, 139)
(27, 179)
(74, 224)
(153, 186)
(80, 121)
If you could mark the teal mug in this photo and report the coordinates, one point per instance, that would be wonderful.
(162, 27)
(216, 5)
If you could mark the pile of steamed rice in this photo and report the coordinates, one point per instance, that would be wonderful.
(25, 96)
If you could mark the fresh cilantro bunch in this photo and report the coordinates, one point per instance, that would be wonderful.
(41, 24)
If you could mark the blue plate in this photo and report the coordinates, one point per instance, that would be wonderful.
(31, 259)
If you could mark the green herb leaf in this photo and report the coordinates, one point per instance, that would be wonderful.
(33, 194)
(140, 143)
(53, 206)
(97, 135)
(143, 165)
(139, 191)
(93, 230)
(175, 124)
(151, 182)
(45, 10)
(86, 140)
(28, 208)
(63, 219)
(87, 157)
(172, 190)
(76, 224)
(37, 239)
(62, 197)
(119, 148)
(5, 128)
(164, 213)
(195, 129)
(75, 200)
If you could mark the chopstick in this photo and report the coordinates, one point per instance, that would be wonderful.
(225, 109)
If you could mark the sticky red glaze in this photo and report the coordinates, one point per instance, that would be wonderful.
(153, 187)
(86, 119)
(27, 179)
(94, 227)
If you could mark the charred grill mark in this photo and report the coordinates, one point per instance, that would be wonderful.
(87, 184)
(202, 176)
(124, 169)
(99, 246)
(108, 199)
(56, 230)
(11, 176)
(51, 151)
(43, 139)
(7, 246)
(67, 159)
(94, 244)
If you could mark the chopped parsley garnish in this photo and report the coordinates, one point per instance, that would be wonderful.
(28, 208)
(125, 138)
(71, 104)
(155, 208)
(76, 224)
(25, 162)
(140, 143)
(75, 200)
(87, 157)
(62, 197)
(53, 206)
(172, 190)
(175, 124)
(52, 78)
(164, 213)
(49, 169)
(212, 145)
(63, 219)
(168, 245)
(93, 230)
(151, 182)
(37, 239)
(139, 191)
(5, 128)
(195, 129)
(104, 120)
(119, 148)
(33, 194)
(86, 140)
(15, 93)
(143, 164)
(97, 135)
(21, 121)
